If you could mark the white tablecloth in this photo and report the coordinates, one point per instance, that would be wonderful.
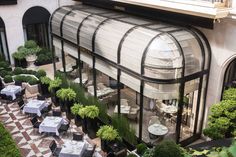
(72, 149)
(158, 129)
(35, 106)
(51, 125)
(11, 90)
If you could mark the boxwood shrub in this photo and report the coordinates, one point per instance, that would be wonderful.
(8, 147)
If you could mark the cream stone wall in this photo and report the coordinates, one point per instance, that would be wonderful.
(12, 16)
(222, 40)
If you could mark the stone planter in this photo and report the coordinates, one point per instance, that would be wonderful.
(30, 61)
(33, 89)
(6, 84)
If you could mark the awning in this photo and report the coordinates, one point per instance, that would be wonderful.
(137, 49)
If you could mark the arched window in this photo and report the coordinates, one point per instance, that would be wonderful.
(35, 24)
(4, 53)
(230, 76)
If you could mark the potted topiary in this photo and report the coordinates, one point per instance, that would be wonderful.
(32, 86)
(8, 80)
(75, 110)
(40, 73)
(90, 121)
(33, 49)
(19, 57)
(44, 84)
(67, 97)
(17, 71)
(108, 136)
(53, 87)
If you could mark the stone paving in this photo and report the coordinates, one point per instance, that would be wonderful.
(30, 142)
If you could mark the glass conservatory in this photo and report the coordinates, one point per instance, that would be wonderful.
(153, 73)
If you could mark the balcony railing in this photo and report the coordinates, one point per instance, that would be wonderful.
(8, 2)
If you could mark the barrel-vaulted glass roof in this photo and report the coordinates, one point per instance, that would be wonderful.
(150, 49)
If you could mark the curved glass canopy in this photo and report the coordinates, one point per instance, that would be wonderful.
(139, 49)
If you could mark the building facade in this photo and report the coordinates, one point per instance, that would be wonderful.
(21, 20)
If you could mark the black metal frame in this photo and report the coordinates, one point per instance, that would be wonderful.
(5, 36)
(198, 75)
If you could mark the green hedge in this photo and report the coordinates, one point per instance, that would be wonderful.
(8, 147)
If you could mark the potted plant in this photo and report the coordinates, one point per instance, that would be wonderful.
(3, 73)
(33, 85)
(40, 73)
(8, 80)
(19, 57)
(67, 97)
(107, 135)
(141, 148)
(44, 84)
(17, 71)
(90, 121)
(167, 148)
(53, 87)
(75, 111)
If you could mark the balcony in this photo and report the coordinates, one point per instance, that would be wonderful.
(212, 9)
(8, 2)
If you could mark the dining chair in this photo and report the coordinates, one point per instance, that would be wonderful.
(18, 83)
(23, 92)
(77, 136)
(56, 113)
(46, 109)
(64, 128)
(154, 120)
(35, 122)
(40, 97)
(21, 104)
(89, 152)
(54, 149)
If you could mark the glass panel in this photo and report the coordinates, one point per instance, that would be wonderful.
(230, 76)
(38, 33)
(71, 24)
(58, 53)
(163, 60)
(189, 109)
(130, 107)
(161, 91)
(134, 46)
(192, 51)
(160, 115)
(108, 38)
(57, 18)
(107, 91)
(158, 26)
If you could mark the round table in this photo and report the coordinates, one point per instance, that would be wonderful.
(157, 130)
(170, 109)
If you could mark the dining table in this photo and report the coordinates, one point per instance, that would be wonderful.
(51, 125)
(35, 106)
(158, 129)
(11, 90)
(72, 148)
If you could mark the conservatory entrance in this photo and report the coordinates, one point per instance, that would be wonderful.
(152, 73)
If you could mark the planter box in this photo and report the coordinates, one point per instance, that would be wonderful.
(78, 120)
(6, 84)
(117, 147)
(33, 89)
(43, 88)
(92, 127)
